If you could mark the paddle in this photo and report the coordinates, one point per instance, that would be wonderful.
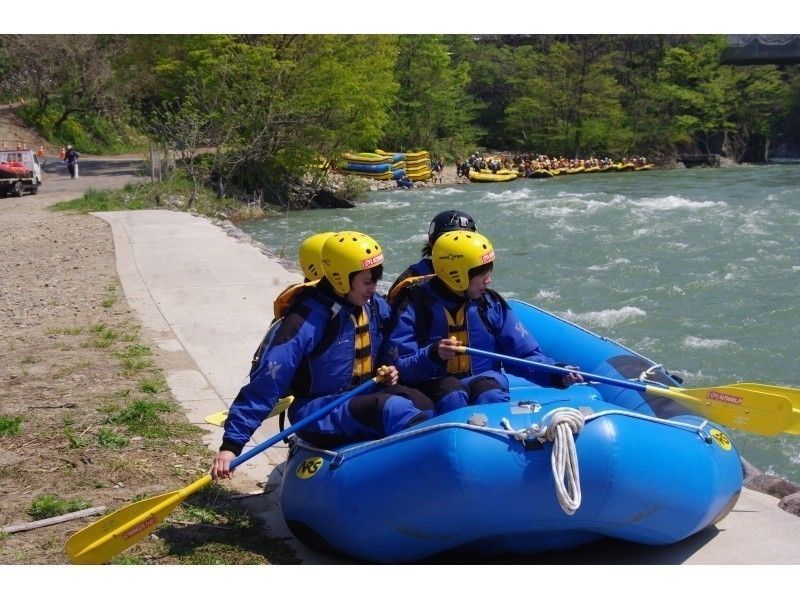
(793, 394)
(762, 411)
(97, 543)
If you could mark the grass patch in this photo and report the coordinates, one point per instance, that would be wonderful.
(75, 440)
(211, 529)
(110, 439)
(152, 384)
(49, 505)
(142, 418)
(103, 336)
(111, 296)
(9, 425)
(133, 358)
(68, 331)
(174, 193)
(29, 360)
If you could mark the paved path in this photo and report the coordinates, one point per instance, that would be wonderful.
(206, 296)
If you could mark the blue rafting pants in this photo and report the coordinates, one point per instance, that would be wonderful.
(452, 393)
(389, 410)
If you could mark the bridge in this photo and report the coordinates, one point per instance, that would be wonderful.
(762, 49)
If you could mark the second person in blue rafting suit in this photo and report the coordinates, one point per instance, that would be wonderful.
(443, 222)
(456, 307)
(327, 344)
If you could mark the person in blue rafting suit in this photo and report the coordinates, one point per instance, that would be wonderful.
(456, 307)
(443, 222)
(327, 344)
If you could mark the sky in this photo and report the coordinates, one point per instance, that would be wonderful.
(407, 16)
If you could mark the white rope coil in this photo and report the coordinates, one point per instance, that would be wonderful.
(564, 459)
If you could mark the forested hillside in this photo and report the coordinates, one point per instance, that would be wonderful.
(264, 108)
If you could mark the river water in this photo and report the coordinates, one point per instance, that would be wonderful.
(698, 269)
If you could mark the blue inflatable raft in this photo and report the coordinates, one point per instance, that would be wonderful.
(551, 470)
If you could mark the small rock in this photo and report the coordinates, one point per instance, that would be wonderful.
(791, 503)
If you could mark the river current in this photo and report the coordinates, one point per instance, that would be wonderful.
(698, 269)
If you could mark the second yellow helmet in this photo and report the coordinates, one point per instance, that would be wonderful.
(311, 255)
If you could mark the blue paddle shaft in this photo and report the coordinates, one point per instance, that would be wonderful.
(559, 370)
(361, 388)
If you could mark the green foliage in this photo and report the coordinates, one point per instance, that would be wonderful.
(432, 109)
(142, 418)
(9, 425)
(50, 505)
(353, 188)
(250, 115)
(110, 439)
(87, 132)
(152, 385)
(567, 102)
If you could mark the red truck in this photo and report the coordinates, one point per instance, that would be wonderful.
(20, 172)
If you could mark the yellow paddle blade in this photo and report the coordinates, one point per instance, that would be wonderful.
(793, 394)
(753, 411)
(218, 418)
(104, 539)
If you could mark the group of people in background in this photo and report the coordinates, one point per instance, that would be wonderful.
(526, 164)
(333, 331)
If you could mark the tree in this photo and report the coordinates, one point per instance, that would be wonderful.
(432, 109)
(566, 102)
(72, 73)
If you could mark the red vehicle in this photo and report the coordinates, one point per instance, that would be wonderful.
(19, 172)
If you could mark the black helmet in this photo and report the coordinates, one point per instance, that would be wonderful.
(449, 220)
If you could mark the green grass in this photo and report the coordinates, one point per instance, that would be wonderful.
(152, 384)
(173, 194)
(49, 505)
(214, 530)
(133, 358)
(103, 336)
(9, 425)
(68, 331)
(110, 439)
(75, 440)
(142, 417)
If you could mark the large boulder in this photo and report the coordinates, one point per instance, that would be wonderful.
(772, 485)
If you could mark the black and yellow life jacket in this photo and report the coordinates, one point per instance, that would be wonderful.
(362, 361)
(460, 365)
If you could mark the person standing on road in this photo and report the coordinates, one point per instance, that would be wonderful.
(71, 158)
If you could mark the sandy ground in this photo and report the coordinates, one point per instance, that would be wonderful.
(59, 300)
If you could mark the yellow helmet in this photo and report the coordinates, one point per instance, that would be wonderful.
(456, 253)
(347, 252)
(311, 255)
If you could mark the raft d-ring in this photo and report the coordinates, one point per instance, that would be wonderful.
(705, 436)
(645, 375)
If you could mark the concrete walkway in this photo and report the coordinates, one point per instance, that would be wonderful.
(205, 297)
